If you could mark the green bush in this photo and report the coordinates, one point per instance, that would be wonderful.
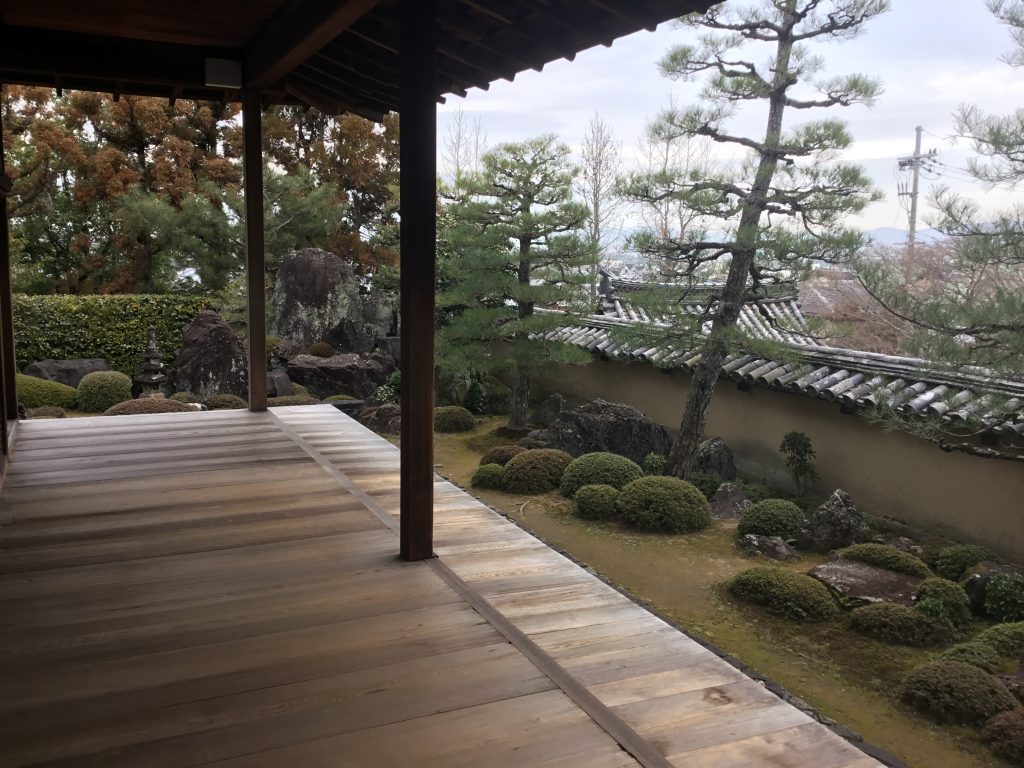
(35, 393)
(115, 328)
(1004, 597)
(771, 517)
(341, 397)
(147, 405)
(46, 412)
(888, 557)
(663, 505)
(950, 596)
(654, 464)
(951, 562)
(501, 454)
(1004, 733)
(536, 470)
(100, 390)
(453, 418)
(1004, 639)
(593, 468)
(474, 399)
(489, 476)
(976, 654)
(596, 501)
(955, 692)
(788, 594)
(186, 397)
(497, 398)
(706, 483)
(320, 349)
(298, 389)
(756, 492)
(531, 443)
(276, 402)
(225, 402)
(900, 625)
(390, 391)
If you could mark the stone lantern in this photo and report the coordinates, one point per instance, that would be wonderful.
(151, 373)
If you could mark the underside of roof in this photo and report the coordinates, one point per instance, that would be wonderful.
(336, 55)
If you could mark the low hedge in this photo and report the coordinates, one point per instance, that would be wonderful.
(453, 418)
(536, 470)
(341, 397)
(147, 405)
(186, 397)
(292, 400)
(951, 562)
(489, 476)
(45, 412)
(501, 454)
(771, 517)
(1005, 639)
(955, 692)
(888, 557)
(100, 390)
(1004, 734)
(949, 595)
(531, 443)
(1004, 597)
(37, 393)
(900, 625)
(979, 655)
(788, 594)
(596, 501)
(602, 467)
(225, 402)
(663, 505)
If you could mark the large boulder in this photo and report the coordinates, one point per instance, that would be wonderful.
(770, 547)
(211, 359)
(548, 410)
(728, 502)
(835, 524)
(384, 419)
(351, 336)
(357, 375)
(714, 457)
(69, 372)
(279, 385)
(603, 426)
(866, 583)
(451, 387)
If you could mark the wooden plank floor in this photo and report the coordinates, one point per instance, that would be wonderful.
(222, 589)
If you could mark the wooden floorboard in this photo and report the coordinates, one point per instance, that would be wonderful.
(223, 589)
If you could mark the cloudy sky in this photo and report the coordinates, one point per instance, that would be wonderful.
(931, 55)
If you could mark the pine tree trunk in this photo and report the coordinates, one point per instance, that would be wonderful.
(520, 400)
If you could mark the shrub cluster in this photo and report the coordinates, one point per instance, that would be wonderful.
(663, 505)
(497, 398)
(596, 502)
(756, 492)
(295, 399)
(1004, 597)
(951, 562)
(100, 390)
(36, 393)
(536, 470)
(225, 402)
(46, 412)
(531, 443)
(1004, 733)
(771, 517)
(654, 464)
(955, 692)
(147, 405)
(501, 454)
(706, 483)
(950, 596)
(338, 398)
(900, 625)
(1005, 639)
(489, 476)
(788, 594)
(888, 557)
(388, 392)
(186, 397)
(453, 418)
(594, 468)
(474, 399)
(320, 349)
(976, 654)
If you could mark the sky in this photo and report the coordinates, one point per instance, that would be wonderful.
(931, 56)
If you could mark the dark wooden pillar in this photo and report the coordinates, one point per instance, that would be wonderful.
(255, 268)
(8, 366)
(418, 43)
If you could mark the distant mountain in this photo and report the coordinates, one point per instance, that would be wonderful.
(894, 236)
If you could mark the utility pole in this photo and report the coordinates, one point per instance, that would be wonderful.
(914, 162)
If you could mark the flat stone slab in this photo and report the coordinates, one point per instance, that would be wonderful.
(869, 583)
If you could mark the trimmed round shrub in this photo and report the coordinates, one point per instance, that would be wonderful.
(536, 470)
(45, 412)
(599, 468)
(706, 483)
(955, 692)
(99, 390)
(900, 625)
(295, 399)
(888, 557)
(1004, 639)
(453, 418)
(185, 397)
(320, 349)
(771, 517)
(147, 405)
(950, 596)
(531, 443)
(788, 594)
(596, 501)
(298, 389)
(654, 464)
(501, 454)
(951, 562)
(489, 476)
(338, 398)
(976, 654)
(663, 505)
(36, 393)
(225, 402)
(1004, 733)
(1004, 597)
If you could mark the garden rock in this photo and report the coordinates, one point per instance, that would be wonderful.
(384, 419)
(728, 502)
(603, 426)
(771, 547)
(279, 385)
(904, 544)
(836, 523)
(69, 372)
(548, 411)
(975, 582)
(714, 457)
(866, 583)
(351, 336)
(451, 387)
(211, 359)
(358, 375)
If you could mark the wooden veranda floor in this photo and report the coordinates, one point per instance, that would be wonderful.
(223, 589)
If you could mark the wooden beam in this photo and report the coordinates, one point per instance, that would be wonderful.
(290, 38)
(252, 128)
(8, 382)
(418, 153)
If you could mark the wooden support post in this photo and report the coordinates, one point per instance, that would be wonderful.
(418, 100)
(8, 366)
(252, 123)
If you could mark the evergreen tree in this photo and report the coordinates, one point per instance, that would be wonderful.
(785, 205)
(513, 243)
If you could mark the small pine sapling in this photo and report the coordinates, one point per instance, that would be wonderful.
(799, 455)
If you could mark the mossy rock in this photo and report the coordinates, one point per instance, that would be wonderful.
(341, 397)
(950, 595)
(1004, 734)
(489, 476)
(596, 501)
(453, 418)
(36, 393)
(771, 517)
(291, 400)
(147, 405)
(99, 390)
(501, 454)
(900, 625)
(599, 468)
(1005, 639)
(952, 561)
(321, 349)
(536, 471)
(663, 505)
(888, 557)
(225, 402)
(955, 692)
(785, 593)
(979, 655)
